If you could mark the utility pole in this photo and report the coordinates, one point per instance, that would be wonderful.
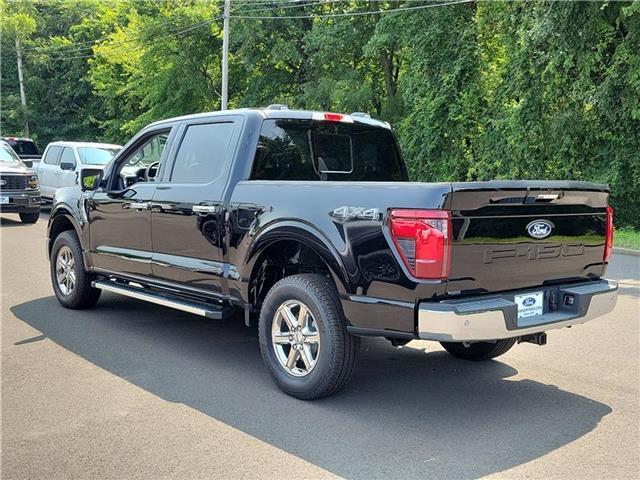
(225, 56)
(23, 98)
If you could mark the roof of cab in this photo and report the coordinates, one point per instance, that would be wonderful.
(64, 143)
(16, 139)
(273, 111)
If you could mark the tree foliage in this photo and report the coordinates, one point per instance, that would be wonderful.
(475, 91)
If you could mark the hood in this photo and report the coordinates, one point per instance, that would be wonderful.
(15, 169)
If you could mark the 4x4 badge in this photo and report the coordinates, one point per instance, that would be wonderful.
(356, 212)
(540, 229)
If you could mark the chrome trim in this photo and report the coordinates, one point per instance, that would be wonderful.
(453, 325)
(162, 284)
(136, 205)
(110, 286)
(204, 209)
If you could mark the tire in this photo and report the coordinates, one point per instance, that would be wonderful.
(29, 217)
(81, 294)
(336, 350)
(479, 350)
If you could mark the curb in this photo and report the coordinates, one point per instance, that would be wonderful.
(626, 251)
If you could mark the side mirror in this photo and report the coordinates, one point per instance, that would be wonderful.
(67, 166)
(90, 179)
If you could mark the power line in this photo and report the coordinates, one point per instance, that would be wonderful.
(196, 25)
(271, 6)
(350, 14)
(186, 30)
(75, 45)
(177, 30)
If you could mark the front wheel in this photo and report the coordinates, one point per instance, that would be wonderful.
(29, 217)
(303, 337)
(479, 350)
(71, 282)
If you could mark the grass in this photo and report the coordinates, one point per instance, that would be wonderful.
(626, 237)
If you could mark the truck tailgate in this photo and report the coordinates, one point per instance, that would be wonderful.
(518, 234)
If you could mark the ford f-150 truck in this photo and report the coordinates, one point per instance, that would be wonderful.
(19, 191)
(308, 224)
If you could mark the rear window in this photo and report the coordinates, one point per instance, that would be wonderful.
(24, 147)
(291, 149)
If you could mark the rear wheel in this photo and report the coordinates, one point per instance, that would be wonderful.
(479, 350)
(303, 337)
(29, 217)
(71, 282)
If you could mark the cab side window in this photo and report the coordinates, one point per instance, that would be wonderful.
(142, 165)
(67, 156)
(150, 152)
(52, 156)
(203, 153)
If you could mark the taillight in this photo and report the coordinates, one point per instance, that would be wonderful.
(423, 240)
(608, 246)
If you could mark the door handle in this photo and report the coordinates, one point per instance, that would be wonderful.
(204, 209)
(136, 205)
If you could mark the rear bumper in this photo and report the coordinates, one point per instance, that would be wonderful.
(492, 317)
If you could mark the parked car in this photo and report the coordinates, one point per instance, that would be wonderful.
(26, 149)
(62, 163)
(307, 222)
(19, 192)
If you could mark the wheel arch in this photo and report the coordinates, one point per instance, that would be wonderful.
(292, 248)
(61, 220)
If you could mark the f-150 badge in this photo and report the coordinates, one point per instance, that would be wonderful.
(356, 212)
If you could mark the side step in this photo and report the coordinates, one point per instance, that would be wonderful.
(209, 311)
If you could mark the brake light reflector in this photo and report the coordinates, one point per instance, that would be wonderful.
(608, 246)
(423, 240)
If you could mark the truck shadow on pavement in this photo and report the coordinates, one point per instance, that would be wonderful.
(406, 414)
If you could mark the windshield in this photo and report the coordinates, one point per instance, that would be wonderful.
(96, 155)
(8, 156)
(292, 149)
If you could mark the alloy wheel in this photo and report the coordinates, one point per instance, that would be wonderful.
(295, 338)
(66, 270)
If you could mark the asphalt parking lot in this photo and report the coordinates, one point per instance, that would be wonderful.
(132, 390)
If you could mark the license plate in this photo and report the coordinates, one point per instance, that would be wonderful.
(4, 200)
(529, 304)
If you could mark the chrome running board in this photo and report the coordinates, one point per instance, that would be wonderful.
(209, 311)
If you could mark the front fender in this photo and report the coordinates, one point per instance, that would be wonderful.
(66, 209)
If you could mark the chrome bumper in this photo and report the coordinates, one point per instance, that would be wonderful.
(493, 317)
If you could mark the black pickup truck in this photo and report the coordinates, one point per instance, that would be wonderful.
(25, 148)
(308, 224)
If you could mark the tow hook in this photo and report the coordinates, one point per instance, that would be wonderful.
(536, 338)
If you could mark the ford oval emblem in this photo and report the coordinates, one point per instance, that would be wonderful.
(529, 302)
(540, 229)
